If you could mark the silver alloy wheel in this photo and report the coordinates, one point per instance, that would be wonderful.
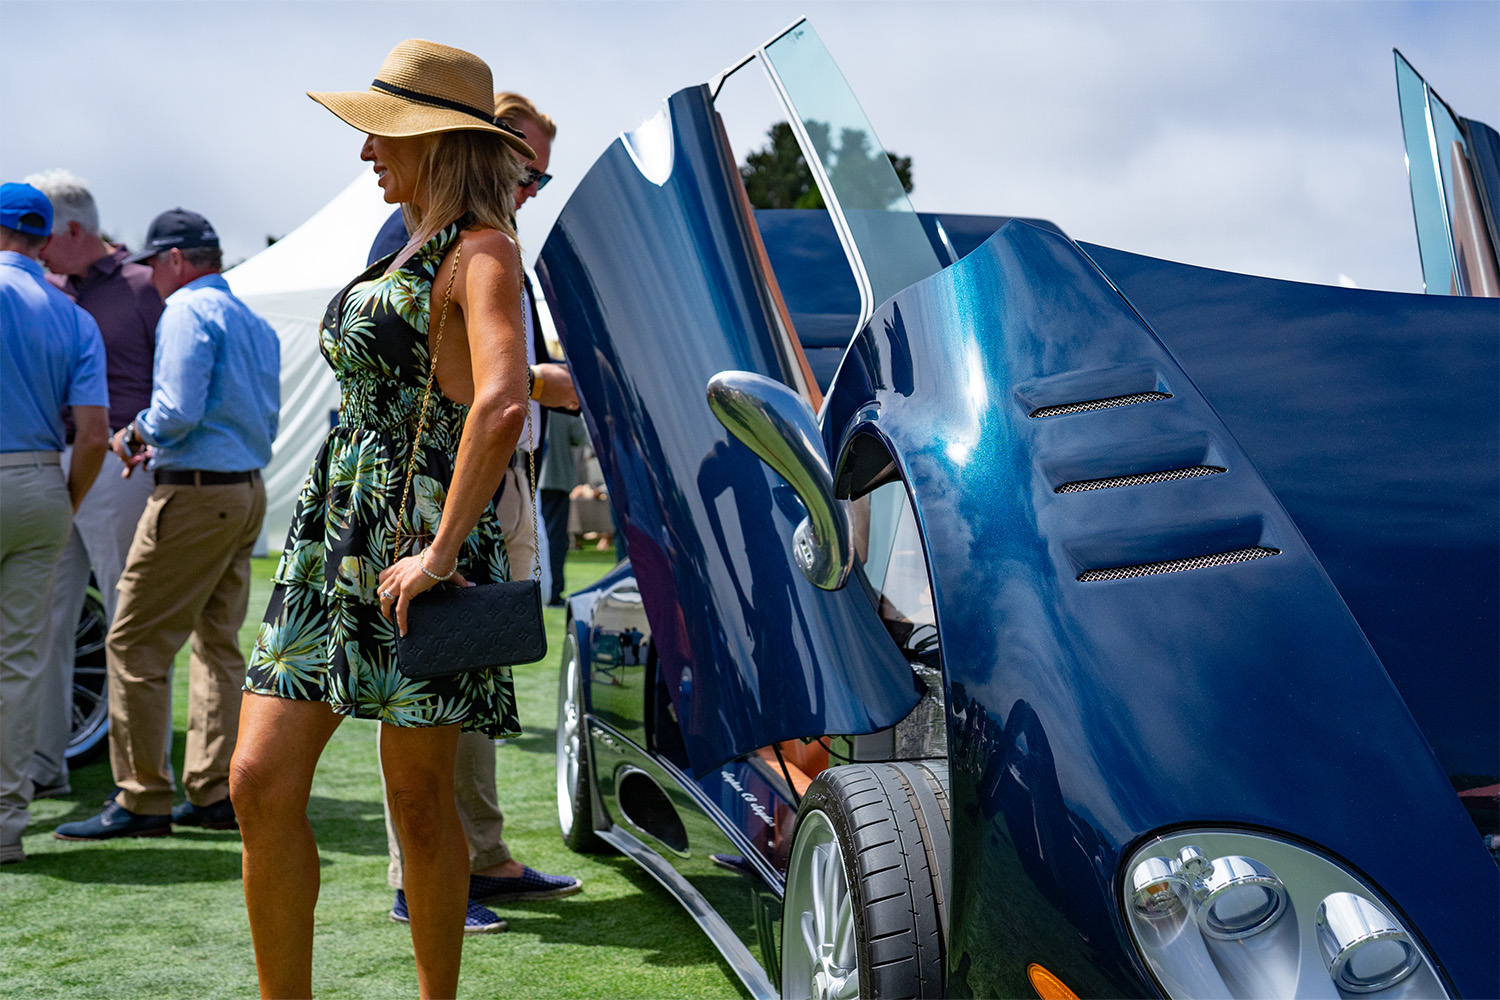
(88, 729)
(569, 733)
(818, 960)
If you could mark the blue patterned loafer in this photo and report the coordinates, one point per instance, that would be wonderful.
(530, 884)
(115, 821)
(477, 921)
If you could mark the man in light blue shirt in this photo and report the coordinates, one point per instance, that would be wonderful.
(51, 356)
(215, 397)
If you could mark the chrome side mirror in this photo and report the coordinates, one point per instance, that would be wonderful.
(778, 425)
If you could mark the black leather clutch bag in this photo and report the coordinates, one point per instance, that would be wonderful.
(454, 630)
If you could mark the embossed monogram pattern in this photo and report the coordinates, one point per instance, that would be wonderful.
(467, 627)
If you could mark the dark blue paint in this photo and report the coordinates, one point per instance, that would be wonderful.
(1375, 418)
(653, 290)
(1237, 695)
(817, 285)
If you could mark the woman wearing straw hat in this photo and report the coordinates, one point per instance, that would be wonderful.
(326, 649)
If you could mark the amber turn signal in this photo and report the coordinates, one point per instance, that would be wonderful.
(1048, 986)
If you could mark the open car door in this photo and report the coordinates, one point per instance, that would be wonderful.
(657, 281)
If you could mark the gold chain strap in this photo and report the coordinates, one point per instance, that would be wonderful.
(411, 465)
(416, 443)
(536, 530)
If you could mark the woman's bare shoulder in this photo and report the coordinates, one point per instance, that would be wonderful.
(491, 242)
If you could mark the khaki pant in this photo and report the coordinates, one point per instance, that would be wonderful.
(474, 763)
(188, 574)
(102, 532)
(37, 518)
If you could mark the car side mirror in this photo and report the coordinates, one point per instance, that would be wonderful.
(779, 426)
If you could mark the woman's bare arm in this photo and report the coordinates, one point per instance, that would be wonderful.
(486, 302)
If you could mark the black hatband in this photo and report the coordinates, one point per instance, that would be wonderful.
(443, 102)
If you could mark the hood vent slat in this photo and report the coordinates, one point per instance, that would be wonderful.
(1099, 404)
(1139, 479)
(1176, 565)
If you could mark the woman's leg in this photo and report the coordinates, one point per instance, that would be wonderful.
(270, 778)
(418, 765)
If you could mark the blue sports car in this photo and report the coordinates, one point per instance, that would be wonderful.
(1006, 615)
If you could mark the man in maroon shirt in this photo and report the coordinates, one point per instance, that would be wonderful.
(122, 300)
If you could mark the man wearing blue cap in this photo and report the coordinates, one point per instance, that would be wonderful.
(215, 395)
(51, 356)
(120, 297)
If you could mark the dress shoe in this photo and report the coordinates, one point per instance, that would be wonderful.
(115, 821)
(219, 816)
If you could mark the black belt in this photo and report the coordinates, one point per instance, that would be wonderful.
(195, 477)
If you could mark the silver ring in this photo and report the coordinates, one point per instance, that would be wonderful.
(388, 595)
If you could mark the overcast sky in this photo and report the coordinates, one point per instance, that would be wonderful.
(1259, 137)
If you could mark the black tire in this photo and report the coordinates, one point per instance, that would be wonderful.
(889, 823)
(575, 795)
(88, 733)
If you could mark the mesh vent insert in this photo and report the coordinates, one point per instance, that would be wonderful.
(1100, 404)
(1140, 478)
(1176, 565)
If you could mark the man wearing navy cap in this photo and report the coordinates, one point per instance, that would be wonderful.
(215, 395)
(51, 357)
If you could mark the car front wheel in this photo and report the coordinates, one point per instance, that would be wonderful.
(865, 885)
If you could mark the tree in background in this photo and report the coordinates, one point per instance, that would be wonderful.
(778, 177)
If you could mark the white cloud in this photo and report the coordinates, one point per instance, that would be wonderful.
(1251, 136)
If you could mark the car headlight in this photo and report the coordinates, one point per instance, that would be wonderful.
(1226, 913)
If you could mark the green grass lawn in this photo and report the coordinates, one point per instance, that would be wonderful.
(158, 918)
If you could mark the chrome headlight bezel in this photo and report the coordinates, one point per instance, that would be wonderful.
(1291, 930)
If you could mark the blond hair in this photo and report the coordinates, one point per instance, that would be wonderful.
(468, 172)
(512, 107)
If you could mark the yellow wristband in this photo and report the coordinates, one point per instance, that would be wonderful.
(537, 383)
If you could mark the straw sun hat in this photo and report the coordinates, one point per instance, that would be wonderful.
(422, 88)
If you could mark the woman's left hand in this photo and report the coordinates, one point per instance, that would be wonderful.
(401, 582)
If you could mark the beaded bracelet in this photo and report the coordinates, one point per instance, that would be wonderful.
(422, 562)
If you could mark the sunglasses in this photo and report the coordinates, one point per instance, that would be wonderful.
(534, 176)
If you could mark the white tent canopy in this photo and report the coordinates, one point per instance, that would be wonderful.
(290, 283)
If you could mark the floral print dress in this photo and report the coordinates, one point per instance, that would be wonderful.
(324, 638)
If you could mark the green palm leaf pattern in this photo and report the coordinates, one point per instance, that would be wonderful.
(430, 494)
(302, 565)
(496, 563)
(360, 472)
(358, 577)
(446, 711)
(293, 652)
(337, 693)
(431, 255)
(387, 694)
(324, 637)
(407, 295)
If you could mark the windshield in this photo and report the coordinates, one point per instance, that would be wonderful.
(881, 232)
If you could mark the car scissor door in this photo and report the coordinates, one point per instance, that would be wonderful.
(657, 282)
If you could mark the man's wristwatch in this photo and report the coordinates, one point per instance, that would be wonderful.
(132, 439)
